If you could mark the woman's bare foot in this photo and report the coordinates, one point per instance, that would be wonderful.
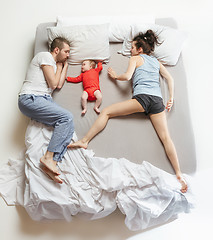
(49, 163)
(97, 110)
(183, 183)
(52, 175)
(78, 144)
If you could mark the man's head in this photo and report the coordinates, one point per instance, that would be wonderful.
(60, 49)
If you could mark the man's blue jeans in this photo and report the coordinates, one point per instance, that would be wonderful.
(43, 109)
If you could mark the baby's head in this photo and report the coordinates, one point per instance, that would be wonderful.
(87, 65)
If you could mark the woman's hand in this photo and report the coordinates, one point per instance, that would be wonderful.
(169, 104)
(112, 73)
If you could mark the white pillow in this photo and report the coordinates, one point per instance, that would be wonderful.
(172, 42)
(86, 41)
(119, 26)
(83, 20)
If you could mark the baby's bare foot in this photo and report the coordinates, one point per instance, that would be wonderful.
(83, 112)
(183, 183)
(97, 110)
(52, 175)
(50, 164)
(78, 144)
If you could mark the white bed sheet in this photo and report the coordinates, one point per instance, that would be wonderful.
(93, 186)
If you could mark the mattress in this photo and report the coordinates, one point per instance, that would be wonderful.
(132, 137)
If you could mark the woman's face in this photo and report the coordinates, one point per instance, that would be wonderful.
(134, 50)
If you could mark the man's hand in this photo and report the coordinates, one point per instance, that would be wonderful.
(59, 65)
(65, 64)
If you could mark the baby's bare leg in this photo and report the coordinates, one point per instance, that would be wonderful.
(98, 101)
(84, 98)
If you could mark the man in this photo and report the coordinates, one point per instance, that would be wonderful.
(47, 72)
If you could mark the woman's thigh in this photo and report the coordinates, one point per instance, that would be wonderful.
(159, 122)
(124, 108)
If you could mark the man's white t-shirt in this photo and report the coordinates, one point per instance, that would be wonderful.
(35, 82)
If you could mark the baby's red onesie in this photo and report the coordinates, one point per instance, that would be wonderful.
(90, 81)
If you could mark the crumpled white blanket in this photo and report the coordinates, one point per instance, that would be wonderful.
(93, 186)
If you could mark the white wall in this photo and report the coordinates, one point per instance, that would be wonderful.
(19, 20)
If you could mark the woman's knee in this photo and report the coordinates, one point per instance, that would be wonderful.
(106, 112)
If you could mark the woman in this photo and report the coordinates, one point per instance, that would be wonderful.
(144, 71)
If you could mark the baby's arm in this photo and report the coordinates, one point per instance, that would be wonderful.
(99, 67)
(75, 79)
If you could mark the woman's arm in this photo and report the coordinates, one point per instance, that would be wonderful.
(128, 74)
(165, 74)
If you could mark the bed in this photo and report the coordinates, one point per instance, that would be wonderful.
(138, 124)
(124, 165)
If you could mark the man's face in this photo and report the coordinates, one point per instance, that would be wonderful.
(63, 54)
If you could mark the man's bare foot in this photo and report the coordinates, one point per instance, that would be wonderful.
(97, 110)
(183, 183)
(84, 111)
(52, 175)
(78, 144)
(50, 164)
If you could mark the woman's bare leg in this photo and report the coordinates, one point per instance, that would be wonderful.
(160, 124)
(114, 110)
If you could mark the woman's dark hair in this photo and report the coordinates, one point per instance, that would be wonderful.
(146, 41)
(58, 42)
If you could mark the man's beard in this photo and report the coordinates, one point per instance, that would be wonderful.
(63, 60)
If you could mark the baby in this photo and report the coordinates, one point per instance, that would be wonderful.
(90, 79)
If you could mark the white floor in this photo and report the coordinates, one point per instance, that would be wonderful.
(17, 39)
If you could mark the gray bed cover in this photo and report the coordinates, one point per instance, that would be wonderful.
(132, 137)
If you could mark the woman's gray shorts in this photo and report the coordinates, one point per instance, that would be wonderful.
(151, 104)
